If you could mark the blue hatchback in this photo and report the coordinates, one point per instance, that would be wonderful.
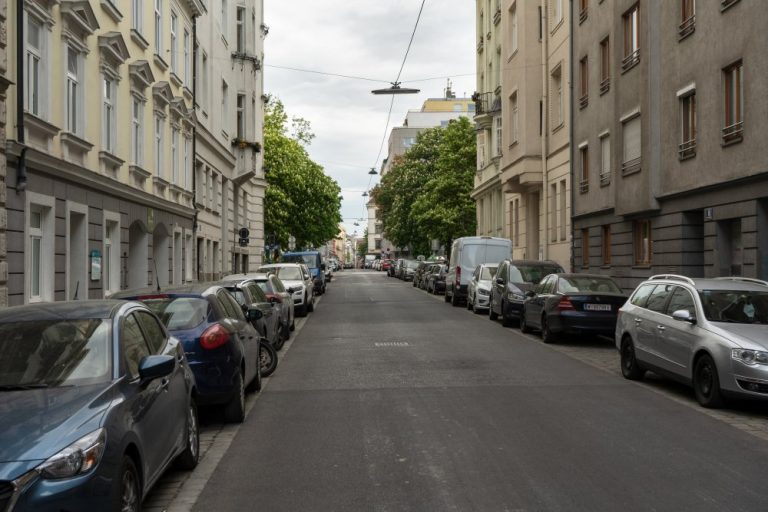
(221, 345)
(97, 402)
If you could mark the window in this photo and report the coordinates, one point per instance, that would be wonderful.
(631, 21)
(557, 96)
(516, 223)
(224, 15)
(138, 15)
(681, 300)
(642, 242)
(241, 30)
(512, 29)
(188, 274)
(110, 270)
(640, 297)
(687, 18)
(583, 82)
(563, 210)
(497, 152)
(734, 103)
(155, 334)
(513, 118)
(605, 65)
(687, 147)
(584, 167)
(481, 150)
(187, 163)
(631, 161)
(659, 297)
(73, 102)
(135, 347)
(585, 248)
(187, 59)
(605, 159)
(159, 146)
(174, 45)
(108, 118)
(241, 116)
(34, 67)
(159, 27)
(137, 134)
(553, 212)
(224, 106)
(204, 81)
(174, 155)
(39, 250)
(583, 5)
(606, 245)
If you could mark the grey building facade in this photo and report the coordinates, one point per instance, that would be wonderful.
(4, 83)
(669, 156)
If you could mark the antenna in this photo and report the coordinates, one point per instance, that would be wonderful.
(157, 277)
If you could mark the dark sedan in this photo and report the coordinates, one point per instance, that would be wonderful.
(513, 279)
(97, 402)
(436, 278)
(247, 293)
(220, 343)
(572, 304)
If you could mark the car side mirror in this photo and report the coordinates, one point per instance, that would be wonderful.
(499, 280)
(155, 367)
(530, 293)
(683, 315)
(254, 314)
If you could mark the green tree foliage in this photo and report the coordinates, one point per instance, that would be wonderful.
(425, 196)
(301, 200)
(362, 247)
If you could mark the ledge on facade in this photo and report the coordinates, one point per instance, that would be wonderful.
(178, 189)
(113, 47)
(244, 177)
(110, 160)
(80, 14)
(175, 80)
(187, 92)
(139, 39)
(112, 10)
(245, 56)
(74, 141)
(160, 62)
(139, 176)
(161, 91)
(40, 125)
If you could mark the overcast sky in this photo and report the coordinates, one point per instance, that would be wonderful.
(363, 38)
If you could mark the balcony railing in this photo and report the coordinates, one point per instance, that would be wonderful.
(486, 103)
(687, 27)
(733, 133)
(631, 166)
(686, 150)
(583, 15)
(630, 60)
(480, 45)
(584, 186)
(724, 4)
(605, 85)
(497, 16)
(584, 101)
(605, 178)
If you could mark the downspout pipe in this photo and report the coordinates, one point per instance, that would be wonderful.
(195, 50)
(21, 166)
(570, 128)
(544, 126)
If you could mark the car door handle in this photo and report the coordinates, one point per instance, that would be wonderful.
(164, 384)
(661, 327)
(638, 321)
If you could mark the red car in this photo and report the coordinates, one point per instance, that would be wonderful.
(385, 264)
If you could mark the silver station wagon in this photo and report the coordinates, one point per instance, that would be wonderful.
(709, 333)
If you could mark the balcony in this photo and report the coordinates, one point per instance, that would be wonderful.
(486, 103)
(686, 150)
(605, 178)
(630, 61)
(686, 28)
(605, 85)
(631, 166)
(584, 186)
(733, 133)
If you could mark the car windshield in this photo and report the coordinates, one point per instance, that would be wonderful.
(55, 353)
(588, 284)
(309, 260)
(473, 255)
(180, 313)
(488, 273)
(531, 273)
(411, 264)
(735, 306)
(287, 273)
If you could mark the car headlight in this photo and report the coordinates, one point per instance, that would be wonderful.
(480, 291)
(749, 357)
(515, 296)
(80, 457)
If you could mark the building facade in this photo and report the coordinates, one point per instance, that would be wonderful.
(669, 131)
(228, 153)
(487, 192)
(535, 159)
(4, 83)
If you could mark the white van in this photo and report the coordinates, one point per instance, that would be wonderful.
(467, 253)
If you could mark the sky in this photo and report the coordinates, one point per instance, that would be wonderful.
(367, 39)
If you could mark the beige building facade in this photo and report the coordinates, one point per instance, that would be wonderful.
(535, 160)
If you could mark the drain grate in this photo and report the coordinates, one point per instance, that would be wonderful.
(391, 344)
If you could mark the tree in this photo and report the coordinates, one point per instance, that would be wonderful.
(362, 247)
(425, 196)
(301, 200)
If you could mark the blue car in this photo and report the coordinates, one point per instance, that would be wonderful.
(96, 400)
(221, 344)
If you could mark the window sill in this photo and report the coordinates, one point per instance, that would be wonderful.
(111, 163)
(139, 39)
(75, 141)
(41, 125)
(732, 141)
(112, 10)
(175, 80)
(630, 64)
(186, 91)
(727, 4)
(160, 62)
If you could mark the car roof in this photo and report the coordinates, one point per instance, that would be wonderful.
(712, 283)
(582, 274)
(74, 309)
(186, 289)
(542, 263)
(275, 265)
(256, 276)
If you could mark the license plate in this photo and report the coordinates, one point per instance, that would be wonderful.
(597, 307)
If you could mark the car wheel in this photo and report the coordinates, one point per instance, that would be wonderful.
(189, 458)
(455, 300)
(234, 410)
(505, 320)
(547, 335)
(446, 298)
(127, 497)
(267, 359)
(706, 383)
(524, 327)
(630, 368)
(301, 311)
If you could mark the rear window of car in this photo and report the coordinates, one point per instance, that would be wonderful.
(473, 255)
(180, 313)
(531, 273)
(290, 273)
(488, 273)
(588, 284)
(640, 297)
(735, 306)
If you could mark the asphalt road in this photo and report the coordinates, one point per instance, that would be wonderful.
(390, 400)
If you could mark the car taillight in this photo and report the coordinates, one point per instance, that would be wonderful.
(565, 303)
(458, 276)
(214, 337)
(275, 298)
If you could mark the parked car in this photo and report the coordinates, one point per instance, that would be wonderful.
(467, 253)
(97, 401)
(247, 293)
(386, 264)
(572, 304)
(296, 277)
(314, 263)
(221, 345)
(418, 276)
(479, 287)
(399, 268)
(436, 278)
(409, 270)
(711, 334)
(278, 294)
(514, 278)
